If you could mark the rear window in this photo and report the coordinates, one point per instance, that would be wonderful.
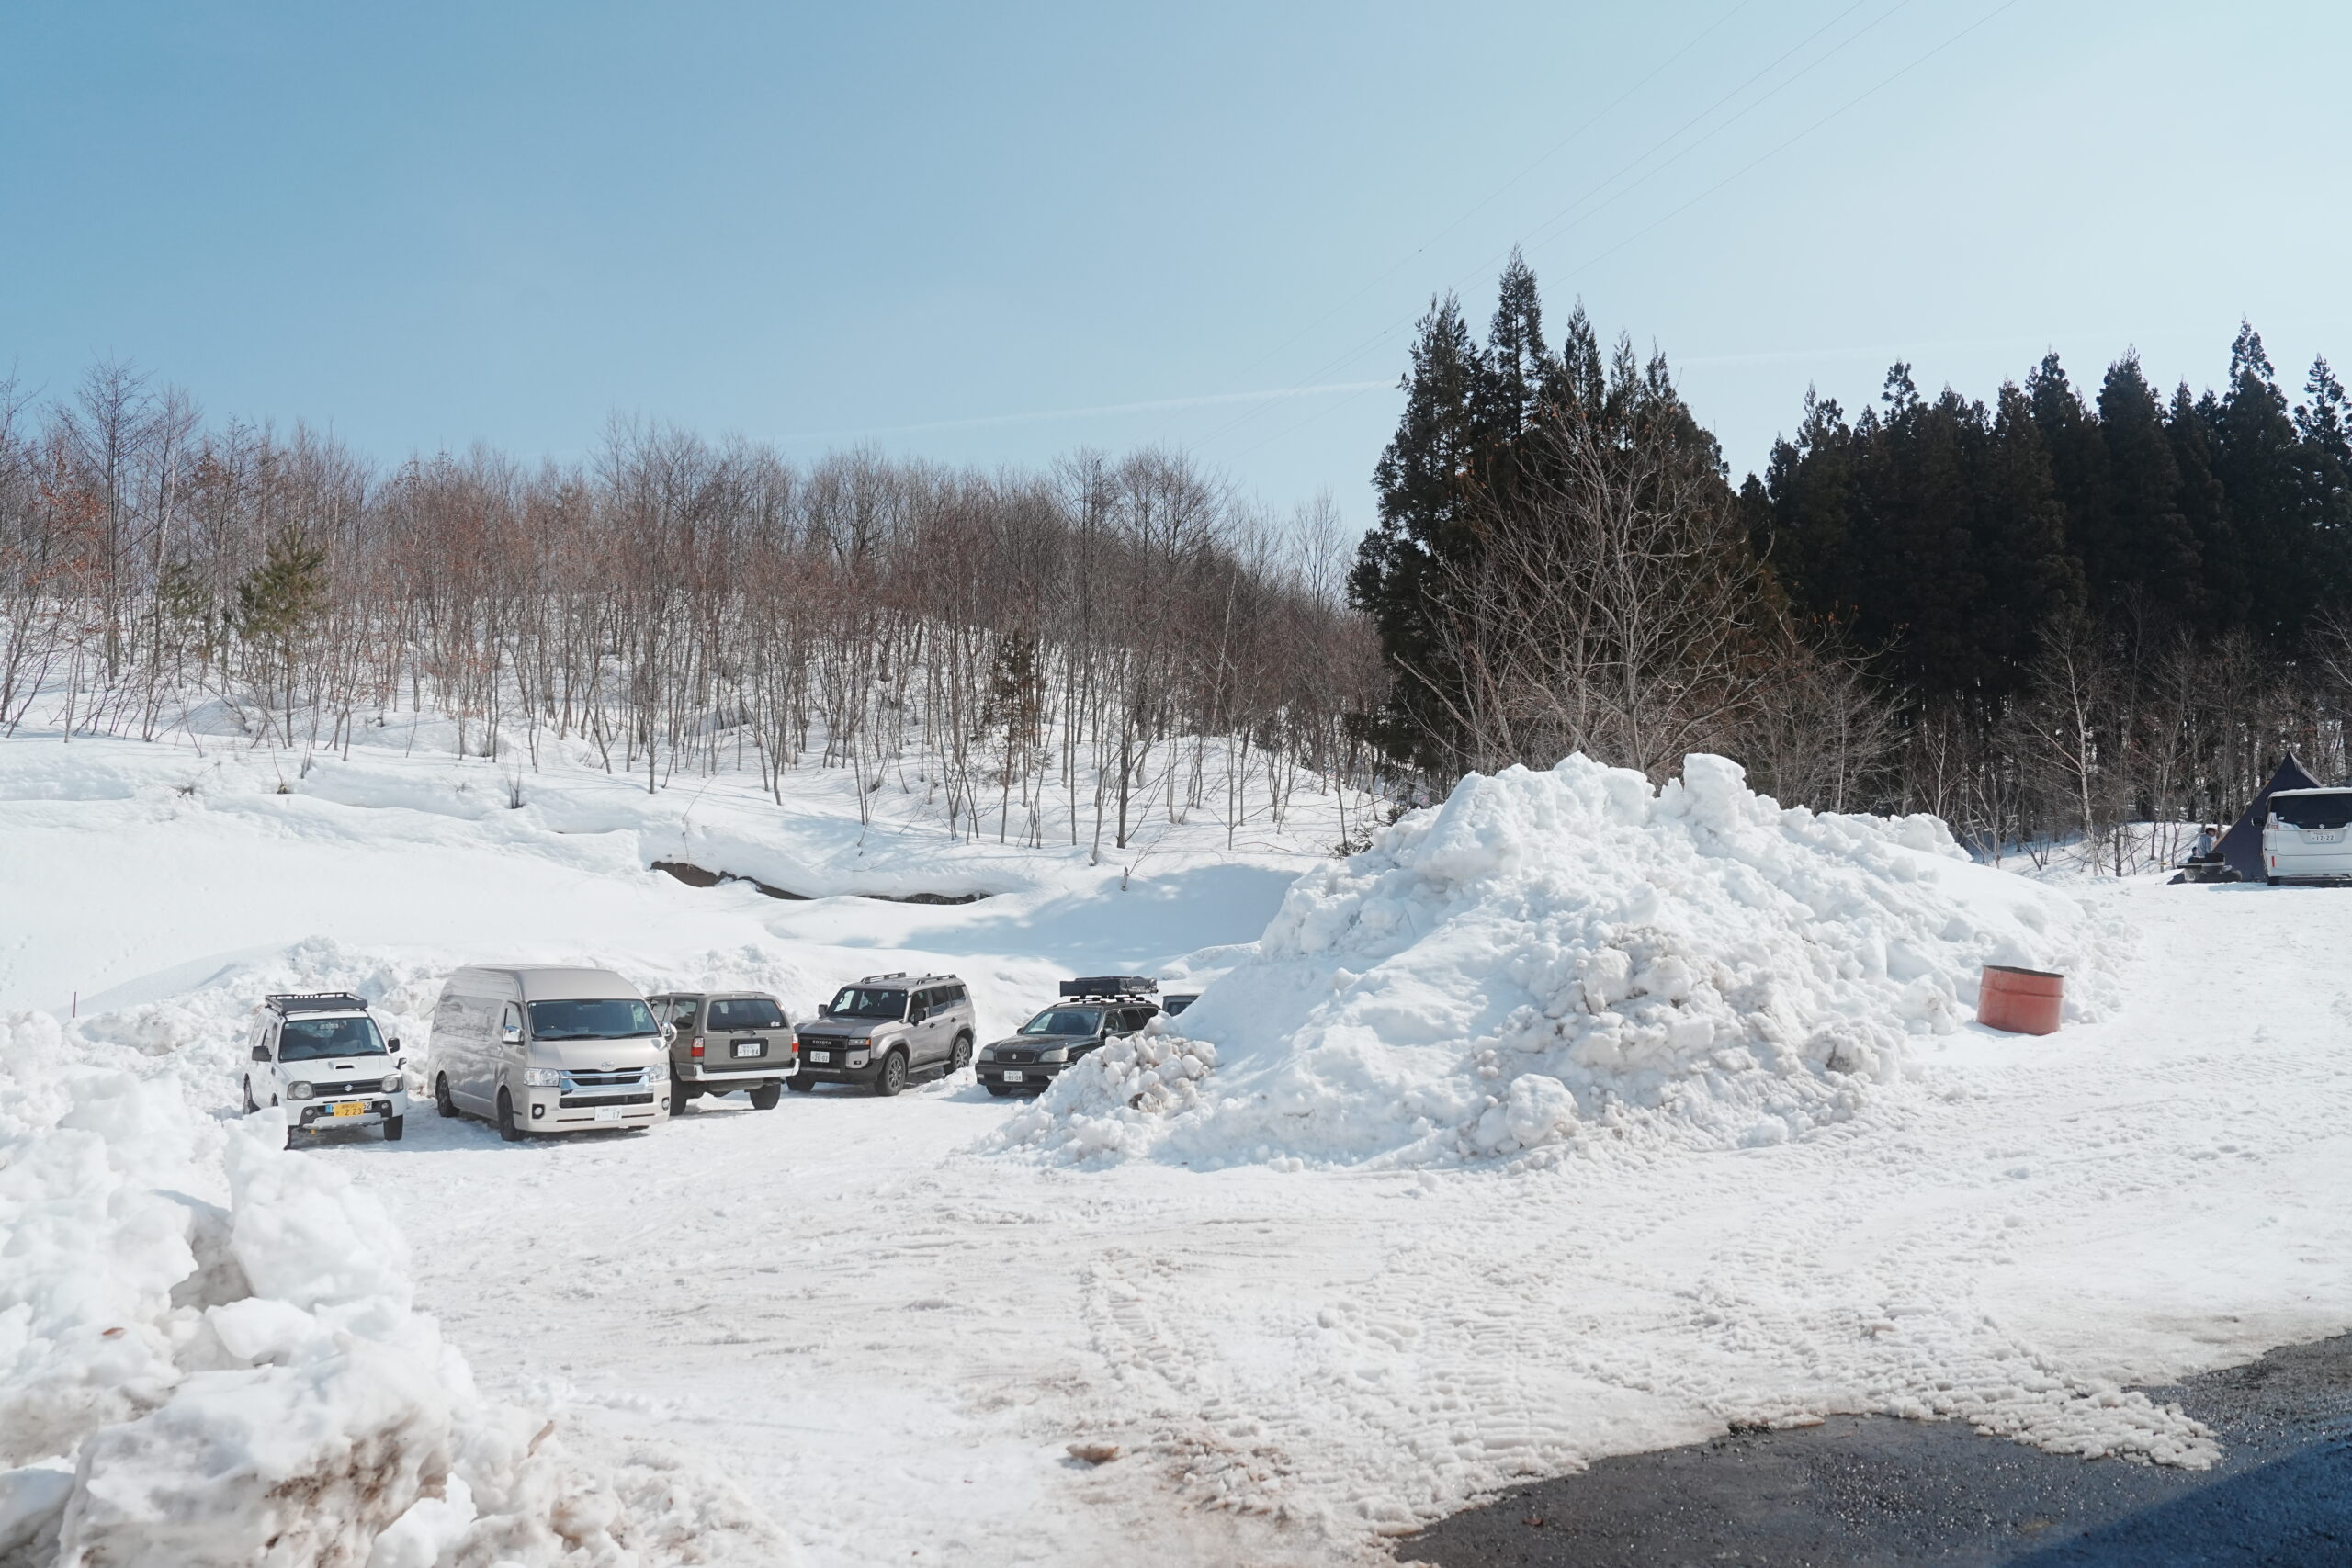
(2331, 809)
(745, 1012)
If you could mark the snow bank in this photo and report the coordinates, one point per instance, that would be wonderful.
(207, 1352)
(1551, 957)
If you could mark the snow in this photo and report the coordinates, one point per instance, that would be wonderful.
(1574, 954)
(851, 1331)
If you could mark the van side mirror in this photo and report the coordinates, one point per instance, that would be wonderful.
(394, 1044)
(261, 1053)
(511, 1035)
(669, 1033)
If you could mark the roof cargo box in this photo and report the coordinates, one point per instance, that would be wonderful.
(1109, 985)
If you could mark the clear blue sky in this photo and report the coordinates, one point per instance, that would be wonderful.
(963, 230)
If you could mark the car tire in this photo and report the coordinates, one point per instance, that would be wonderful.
(393, 1127)
(2272, 881)
(891, 1076)
(764, 1097)
(998, 1090)
(290, 1135)
(250, 1106)
(442, 1099)
(800, 1083)
(507, 1129)
(961, 1056)
(680, 1097)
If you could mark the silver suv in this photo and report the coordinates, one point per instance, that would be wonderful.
(726, 1041)
(885, 1030)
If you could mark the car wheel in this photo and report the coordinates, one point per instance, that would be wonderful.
(764, 1097)
(962, 1057)
(892, 1076)
(393, 1127)
(679, 1097)
(2271, 880)
(506, 1127)
(998, 1090)
(290, 1135)
(441, 1097)
(250, 1106)
(800, 1083)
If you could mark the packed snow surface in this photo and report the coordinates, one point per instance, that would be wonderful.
(1577, 952)
(869, 1331)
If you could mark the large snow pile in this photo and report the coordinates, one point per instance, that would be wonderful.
(207, 1356)
(1554, 956)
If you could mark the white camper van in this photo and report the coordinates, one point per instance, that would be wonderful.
(541, 1048)
(2308, 836)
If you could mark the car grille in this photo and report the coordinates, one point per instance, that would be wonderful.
(627, 1078)
(355, 1086)
(584, 1102)
(1016, 1057)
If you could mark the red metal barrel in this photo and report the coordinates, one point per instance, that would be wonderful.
(2021, 1001)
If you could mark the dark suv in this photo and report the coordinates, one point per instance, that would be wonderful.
(1094, 1009)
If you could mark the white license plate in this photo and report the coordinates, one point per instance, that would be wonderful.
(822, 1059)
(608, 1113)
(751, 1047)
(1012, 1077)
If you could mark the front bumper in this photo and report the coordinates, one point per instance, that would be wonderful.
(319, 1116)
(1031, 1077)
(838, 1061)
(585, 1110)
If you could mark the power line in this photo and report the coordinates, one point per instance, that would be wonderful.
(1870, 92)
(1635, 162)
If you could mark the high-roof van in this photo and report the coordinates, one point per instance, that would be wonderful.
(2308, 837)
(545, 1048)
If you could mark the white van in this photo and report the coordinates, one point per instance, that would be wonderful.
(542, 1048)
(2308, 836)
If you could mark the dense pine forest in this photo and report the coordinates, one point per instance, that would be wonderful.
(2042, 618)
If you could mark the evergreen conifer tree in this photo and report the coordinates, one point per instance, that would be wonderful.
(2154, 549)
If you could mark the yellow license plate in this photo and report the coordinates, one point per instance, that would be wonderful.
(351, 1108)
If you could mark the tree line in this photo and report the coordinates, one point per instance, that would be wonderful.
(2046, 619)
(1044, 656)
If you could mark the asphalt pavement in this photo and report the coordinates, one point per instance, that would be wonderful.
(1873, 1490)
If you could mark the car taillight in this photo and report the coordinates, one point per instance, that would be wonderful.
(696, 1050)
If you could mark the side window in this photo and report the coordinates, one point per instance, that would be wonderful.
(957, 996)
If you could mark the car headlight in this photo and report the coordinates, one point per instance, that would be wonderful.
(988, 1053)
(1059, 1054)
(392, 1082)
(543, 1078)
(659, 1072)
(299, 1092)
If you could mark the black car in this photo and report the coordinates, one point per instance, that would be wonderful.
(1093, 1009)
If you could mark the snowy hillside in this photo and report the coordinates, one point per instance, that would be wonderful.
(866, 1331)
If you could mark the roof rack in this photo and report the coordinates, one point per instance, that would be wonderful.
(1110, 987)
(893, 975)
(315, 1001)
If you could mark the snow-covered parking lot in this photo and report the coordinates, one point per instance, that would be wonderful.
(877, 1328)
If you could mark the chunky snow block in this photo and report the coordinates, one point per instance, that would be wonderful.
(2020, 1001)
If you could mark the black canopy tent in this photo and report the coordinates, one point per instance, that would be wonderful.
(2241, 846)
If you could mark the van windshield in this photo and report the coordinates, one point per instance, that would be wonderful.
(617, 1020)
(867, 1001)
(310, 1039)
(2330, 809)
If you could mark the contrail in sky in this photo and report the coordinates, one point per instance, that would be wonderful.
(1269, 395)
